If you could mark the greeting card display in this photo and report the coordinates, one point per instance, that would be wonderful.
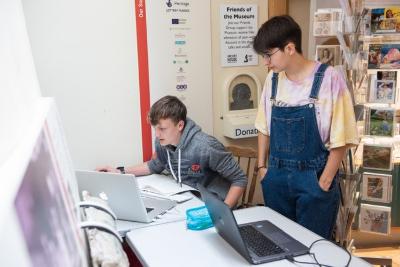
(327, 22)
(380, 121)
(328, 54)
(384, 56)
(378, 157)
(383, 91)
(375, 219)
(377, 187)
(385, 20)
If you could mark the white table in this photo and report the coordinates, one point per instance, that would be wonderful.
(173, 245)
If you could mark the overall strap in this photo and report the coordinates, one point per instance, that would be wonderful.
(275, 77)
(318, 77)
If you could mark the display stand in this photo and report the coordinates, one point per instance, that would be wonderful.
(378, 159)
(374, 81)
(370, 174)
(335, 31)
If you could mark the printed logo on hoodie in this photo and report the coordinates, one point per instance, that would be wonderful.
(195, 167)
(194, 170)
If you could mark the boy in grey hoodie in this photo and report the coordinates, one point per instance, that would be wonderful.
(188, 154)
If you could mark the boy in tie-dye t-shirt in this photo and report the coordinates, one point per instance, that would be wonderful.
(305, 121)
(334, 107)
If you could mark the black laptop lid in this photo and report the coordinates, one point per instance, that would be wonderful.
(224, 221)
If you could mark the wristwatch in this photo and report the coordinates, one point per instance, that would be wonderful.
(121, 169)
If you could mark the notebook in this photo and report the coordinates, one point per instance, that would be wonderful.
(123, 195)
(258, 242)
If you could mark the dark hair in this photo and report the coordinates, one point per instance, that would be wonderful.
(167, 107)
(277, 32)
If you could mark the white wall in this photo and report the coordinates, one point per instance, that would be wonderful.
(21, 111)
(19, 91)
(85, 56)
(19, 101)
(197, 73)
(300, 12)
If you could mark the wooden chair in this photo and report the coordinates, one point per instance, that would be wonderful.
(247, 156)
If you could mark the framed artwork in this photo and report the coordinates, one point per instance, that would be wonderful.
(378, 157)
(383, 91)
(329, 54)
(380, 121)
(376, 187)
(375, 219)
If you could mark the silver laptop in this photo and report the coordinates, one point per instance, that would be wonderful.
(123, 195)
(257, 242)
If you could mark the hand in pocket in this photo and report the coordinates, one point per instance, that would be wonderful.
(261, 173)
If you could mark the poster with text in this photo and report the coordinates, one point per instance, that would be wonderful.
(237, 30)
(179, 49)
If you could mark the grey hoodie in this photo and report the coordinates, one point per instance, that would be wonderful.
(202, 159)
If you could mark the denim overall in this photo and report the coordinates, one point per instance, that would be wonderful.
(296, 161)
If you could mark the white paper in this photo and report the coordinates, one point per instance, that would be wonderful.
(162, 184)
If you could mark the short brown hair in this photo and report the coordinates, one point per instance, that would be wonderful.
(167, 107)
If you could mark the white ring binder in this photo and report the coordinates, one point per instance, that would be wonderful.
(88, 203)
(102, 226)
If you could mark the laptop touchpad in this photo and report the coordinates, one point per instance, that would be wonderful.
(279, 237)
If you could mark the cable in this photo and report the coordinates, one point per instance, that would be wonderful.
(292, 260)
(322, 239)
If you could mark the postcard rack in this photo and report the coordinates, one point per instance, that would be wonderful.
(335, 30)
(364, 44)
(378, 93)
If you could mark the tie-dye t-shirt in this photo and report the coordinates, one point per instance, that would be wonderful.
(334, 107)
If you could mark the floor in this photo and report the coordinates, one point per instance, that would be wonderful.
(392, 252)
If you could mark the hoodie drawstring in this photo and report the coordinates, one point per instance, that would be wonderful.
(179, 179)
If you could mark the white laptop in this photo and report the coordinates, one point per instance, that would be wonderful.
(123, 195)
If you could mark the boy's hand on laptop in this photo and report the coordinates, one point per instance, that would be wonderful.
(107, 169)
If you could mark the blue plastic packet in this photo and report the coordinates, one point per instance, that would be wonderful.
(198, 218)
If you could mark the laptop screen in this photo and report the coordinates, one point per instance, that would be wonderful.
(224, 221)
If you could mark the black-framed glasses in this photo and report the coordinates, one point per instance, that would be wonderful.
(267, 56)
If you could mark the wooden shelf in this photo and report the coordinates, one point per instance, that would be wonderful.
(368, 240)
(383, 38)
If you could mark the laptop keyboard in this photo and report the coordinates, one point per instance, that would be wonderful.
(258, 242)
